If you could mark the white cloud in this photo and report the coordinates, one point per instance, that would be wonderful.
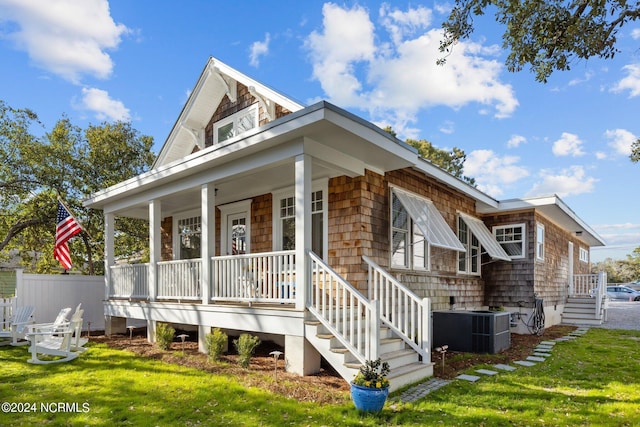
(66, 37)
(394, 80)
(347, 38)
(103, 106)
(515, 141)
(259, 49)
(631, 82)
(635, 33)
(620, 140)
(493, 172)
(601, 155)
(401, 24)
(587, 76)
(569, 144)
(570, 181)
(448, 127)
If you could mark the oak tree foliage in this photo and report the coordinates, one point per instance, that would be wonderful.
(451, 161)
(70, 163)
(546, 35)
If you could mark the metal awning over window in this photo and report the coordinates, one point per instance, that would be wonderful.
(429, 221)
(487, 241)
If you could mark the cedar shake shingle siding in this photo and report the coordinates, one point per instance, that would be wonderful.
(359, 215)
(227, 108)
(508, 283)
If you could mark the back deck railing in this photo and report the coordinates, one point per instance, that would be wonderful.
(592, 285)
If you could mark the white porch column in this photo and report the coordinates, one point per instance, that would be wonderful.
(155, 237)
(109, 245)
(207, 242)
(303, 226)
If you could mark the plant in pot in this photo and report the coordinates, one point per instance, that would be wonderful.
(370, 387)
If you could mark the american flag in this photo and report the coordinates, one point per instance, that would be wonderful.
(67, 228)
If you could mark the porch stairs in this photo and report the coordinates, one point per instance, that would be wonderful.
(348, 328)
(581, 310)
(405, 365)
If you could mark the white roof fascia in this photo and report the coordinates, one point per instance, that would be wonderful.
(410, 153)
(216, 67)
(486, 238)
(429, 221)
(545, 202)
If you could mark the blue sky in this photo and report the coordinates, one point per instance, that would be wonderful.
(96, 61)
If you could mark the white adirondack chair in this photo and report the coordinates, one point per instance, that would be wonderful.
(59, 339)
(15, 328)
(77, 342)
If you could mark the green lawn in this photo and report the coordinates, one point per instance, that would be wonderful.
(594, 380)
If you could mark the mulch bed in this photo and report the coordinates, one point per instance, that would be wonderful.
(325, 387)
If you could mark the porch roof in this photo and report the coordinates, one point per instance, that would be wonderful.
(339, 142)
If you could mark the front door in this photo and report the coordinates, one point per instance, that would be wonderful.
(235, 233)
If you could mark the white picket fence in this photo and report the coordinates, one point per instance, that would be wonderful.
(49, 293)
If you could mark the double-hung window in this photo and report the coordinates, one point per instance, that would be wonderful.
(584, 255)
(469, 261)
(512, 239)
(236, 124)
(409, 247)
(285, 219)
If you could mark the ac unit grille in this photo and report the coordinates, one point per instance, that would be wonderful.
(472, 331)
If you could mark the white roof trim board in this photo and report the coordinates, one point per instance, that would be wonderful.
(482, 233)
(429, 221)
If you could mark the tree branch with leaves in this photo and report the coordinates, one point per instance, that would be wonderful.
(547, 35)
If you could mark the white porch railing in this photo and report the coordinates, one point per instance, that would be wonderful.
(593, 285)
(129, 281)
(261, 277)
(400, 309)
(344, 311)
(179, 279)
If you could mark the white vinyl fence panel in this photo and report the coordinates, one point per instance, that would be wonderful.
(49, 293)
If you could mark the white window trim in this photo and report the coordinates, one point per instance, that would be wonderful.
(175, 232)
(583, 255)
(468, 253)
(232, 209)
(234, 118)
(524, 237)
(540, 257)
(410, 238)
(277, 195)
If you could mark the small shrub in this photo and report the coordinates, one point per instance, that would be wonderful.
(373, 374)
(164, 335)
(246, 345)
(215, 343)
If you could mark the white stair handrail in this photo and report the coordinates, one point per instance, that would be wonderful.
(601, 293)
(400, 309)
(346, 313)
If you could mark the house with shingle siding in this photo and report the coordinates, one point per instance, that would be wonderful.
(316, 229)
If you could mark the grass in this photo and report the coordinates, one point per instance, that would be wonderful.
(594, 380)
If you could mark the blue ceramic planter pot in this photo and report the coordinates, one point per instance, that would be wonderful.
(369, 399)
